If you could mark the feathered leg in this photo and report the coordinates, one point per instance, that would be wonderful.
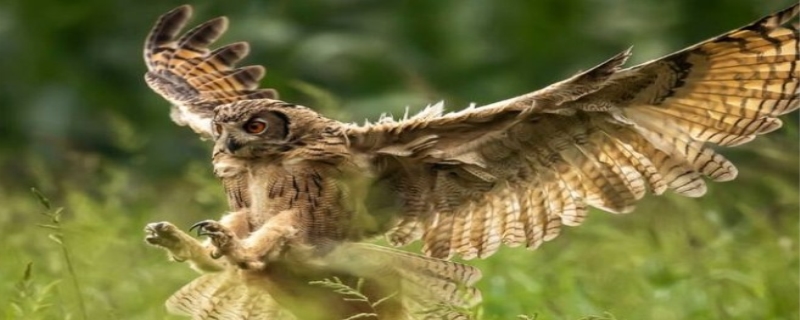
(264, 244)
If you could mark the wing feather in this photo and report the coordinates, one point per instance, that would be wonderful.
(193, 78)
(514, 171)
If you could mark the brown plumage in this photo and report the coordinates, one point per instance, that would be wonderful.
(398, 285)
(284, 195)
(512, 172)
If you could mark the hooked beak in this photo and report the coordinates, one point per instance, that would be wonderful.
(228, 144)
(231, 145)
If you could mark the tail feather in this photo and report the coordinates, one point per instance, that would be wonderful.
(194, 296)
(223, 296)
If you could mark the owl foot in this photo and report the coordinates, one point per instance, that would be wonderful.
(168, 237)
(226, 244)
(180, 246)
(221, 237)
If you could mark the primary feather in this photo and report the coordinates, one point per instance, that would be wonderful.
(516, 170)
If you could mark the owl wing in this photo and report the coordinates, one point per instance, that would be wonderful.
(193, 78)
(515, 171)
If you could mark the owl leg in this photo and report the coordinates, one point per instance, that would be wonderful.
(271, 240)
(264, 244)
(181, 246)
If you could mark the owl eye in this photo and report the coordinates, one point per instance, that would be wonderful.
(255, 126)
(217, 128)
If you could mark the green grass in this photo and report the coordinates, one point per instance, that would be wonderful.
(730, 255)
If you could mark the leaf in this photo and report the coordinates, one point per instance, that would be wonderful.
(26, 276)
(42, 199)
(339, 287)
(363, 315)
(376, 303)
(17, 309)
(49, 287)
(58, 212)
(55, 237)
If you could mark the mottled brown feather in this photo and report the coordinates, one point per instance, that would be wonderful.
(224, 296)
(511, 172)
(599, 141)
(190, 76)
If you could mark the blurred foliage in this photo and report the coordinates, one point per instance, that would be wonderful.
(79, 124)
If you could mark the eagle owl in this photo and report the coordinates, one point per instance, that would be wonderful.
(304, 189)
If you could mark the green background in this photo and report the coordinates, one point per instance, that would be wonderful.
(78, 123)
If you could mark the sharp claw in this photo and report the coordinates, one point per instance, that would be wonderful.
(203, 232)
(208, 228)
(215, 254)
(200, 226)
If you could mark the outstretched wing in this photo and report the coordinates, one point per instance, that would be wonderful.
(513, 172)
(193, 78)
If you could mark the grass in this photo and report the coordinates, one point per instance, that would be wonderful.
(730, 255)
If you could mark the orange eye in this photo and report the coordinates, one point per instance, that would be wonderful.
(255, 126)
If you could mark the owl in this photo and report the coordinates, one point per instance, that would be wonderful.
(304, 190)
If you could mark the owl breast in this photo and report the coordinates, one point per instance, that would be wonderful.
(310, 190)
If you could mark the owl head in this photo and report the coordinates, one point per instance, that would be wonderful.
(263, 127)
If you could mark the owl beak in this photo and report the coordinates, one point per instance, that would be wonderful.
(231, 145)
(228, 144)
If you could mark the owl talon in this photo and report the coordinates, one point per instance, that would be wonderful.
(227, 244)
(218, 233)
(204, 226)
(222, 238)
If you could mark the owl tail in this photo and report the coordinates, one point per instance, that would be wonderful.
(425, 288)
(224, 296)
(724, 91)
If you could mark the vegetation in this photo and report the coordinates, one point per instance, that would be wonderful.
(79, 125)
